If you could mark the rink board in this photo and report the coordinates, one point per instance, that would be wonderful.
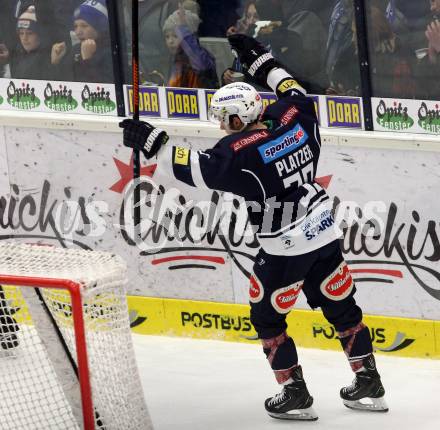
(231, 322)
(69, 183)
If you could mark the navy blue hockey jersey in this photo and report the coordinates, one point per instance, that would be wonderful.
(273, 169)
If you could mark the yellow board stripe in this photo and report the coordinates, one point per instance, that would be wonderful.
(230, 322)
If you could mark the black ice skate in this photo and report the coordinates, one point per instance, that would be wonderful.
(366, 392)
(294, 402)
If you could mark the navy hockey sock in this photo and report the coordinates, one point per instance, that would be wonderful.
(282, 356)
(357, 345)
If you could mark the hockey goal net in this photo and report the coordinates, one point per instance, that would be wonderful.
(66, 353)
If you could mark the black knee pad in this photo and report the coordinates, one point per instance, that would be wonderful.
(281, 355)
(286, 355)
(266, 322)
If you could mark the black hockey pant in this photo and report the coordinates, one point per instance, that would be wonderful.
(325, 279)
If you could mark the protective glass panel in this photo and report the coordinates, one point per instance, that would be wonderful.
(65, 40)
(187, 46)
(404, 47)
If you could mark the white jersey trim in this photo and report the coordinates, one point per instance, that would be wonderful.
(165, 160)
(316, 135)
(258, 180)
(297, 241)
(196, 171)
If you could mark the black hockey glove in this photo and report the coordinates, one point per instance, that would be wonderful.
(143, 136)
(256, 60)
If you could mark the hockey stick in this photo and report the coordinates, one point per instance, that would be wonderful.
(136, 153)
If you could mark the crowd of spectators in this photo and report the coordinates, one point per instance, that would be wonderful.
(54, 40)
(183, 42)
(316, 40)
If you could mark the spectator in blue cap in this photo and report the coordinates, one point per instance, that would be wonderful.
(94, 13)
(90, 59)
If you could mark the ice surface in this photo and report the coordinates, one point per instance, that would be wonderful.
(211, 385)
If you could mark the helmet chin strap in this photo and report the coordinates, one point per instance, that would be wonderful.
(229, 130)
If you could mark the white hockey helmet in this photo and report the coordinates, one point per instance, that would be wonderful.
(239, 99)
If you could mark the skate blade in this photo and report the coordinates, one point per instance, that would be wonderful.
(368, 404)
(308, 414)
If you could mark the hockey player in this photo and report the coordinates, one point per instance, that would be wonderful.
(271, 159)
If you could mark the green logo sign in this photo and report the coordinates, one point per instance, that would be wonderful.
(393, 118)
(429, 119)
(1, 100)
(98, 101)
(22, 98)
(60, 99)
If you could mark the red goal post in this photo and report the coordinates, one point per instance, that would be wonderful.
(65, 342)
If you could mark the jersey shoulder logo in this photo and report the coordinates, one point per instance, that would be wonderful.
(289, 115)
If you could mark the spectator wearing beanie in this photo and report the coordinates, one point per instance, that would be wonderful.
(192, 66)
(31, 60)
(153, 53)
(8, 36)
(90, 59)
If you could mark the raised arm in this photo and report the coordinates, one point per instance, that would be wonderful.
(210, 169)
(199, 57)
(262, 68)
